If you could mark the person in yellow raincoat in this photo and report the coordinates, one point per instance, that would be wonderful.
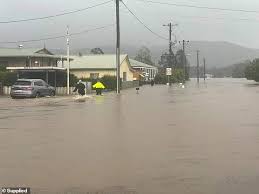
(98, 87)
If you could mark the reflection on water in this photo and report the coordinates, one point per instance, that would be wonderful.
(200, 139)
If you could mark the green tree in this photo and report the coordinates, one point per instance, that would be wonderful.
(2, 68)
(238, 70)
(179, 59)
(8, 78)
(252, 71)
(177, 77)
(97, 51)
(144, 56)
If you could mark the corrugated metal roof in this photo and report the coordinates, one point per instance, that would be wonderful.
(25, 52)
(95, 61)
(135, 63)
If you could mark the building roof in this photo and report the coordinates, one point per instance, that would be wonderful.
(96, 61)
(135, 64)
(26, 52)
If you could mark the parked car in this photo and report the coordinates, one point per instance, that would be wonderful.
(31, 88)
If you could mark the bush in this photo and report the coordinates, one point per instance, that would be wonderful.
(252, 71)
(160, 79)
(8, 78)
(110, 82)
(62, 79)
(177, 77)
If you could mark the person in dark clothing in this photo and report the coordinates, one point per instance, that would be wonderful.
(80, 87)
(152, 82)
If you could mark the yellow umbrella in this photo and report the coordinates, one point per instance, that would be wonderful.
(98, 85)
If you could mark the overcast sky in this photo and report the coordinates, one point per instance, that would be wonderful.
(194, 24)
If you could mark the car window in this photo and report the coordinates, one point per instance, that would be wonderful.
(38, 83)
(44, 83)
(23, 83)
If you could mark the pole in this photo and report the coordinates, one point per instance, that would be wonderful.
(47, 76)
(184, 61)
(68, 61)
(61, 58)
(204, 69)
(170, 55)
(170, 51)
(55, 81)
(198, 67)
(118, 45)
(170, 40)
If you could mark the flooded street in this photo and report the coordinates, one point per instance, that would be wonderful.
(198, 140)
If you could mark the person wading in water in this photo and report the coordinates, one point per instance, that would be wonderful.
(80, 87)
(98, 87)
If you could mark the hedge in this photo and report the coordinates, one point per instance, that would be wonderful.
(177, 77)
(110, 82)
(8, 78)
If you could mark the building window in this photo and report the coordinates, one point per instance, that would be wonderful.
(94, 75)
(124, 76)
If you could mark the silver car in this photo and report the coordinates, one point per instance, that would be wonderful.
(31, 88)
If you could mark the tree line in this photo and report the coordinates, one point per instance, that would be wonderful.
(252, 70)
(178, 62)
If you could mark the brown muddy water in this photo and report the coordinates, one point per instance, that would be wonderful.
(198, 140)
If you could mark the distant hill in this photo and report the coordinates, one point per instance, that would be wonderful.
(220, 54)
(235, 71)
(217, 54)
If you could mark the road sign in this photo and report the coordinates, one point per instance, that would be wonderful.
(168, 71)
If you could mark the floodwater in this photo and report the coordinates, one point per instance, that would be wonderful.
(203, 139)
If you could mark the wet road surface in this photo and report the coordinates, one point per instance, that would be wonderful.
(198, 140)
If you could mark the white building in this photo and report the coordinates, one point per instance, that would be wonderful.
(147, 71)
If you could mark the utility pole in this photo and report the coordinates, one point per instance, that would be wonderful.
(184, 57)
(204, 69)
(184, 61)
(198, 67)
(170, 51)
(68, 61)
(118, 45)
(170, 42)
(170, 56)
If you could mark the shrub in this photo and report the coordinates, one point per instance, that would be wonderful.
(110, 82)
(252, 71)
(8, 78)
(177, 77)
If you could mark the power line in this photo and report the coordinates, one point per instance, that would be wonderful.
(200, 7)
(56, 37)
(56, 15)
(149, 29)
(94, 29)
(218, 18)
